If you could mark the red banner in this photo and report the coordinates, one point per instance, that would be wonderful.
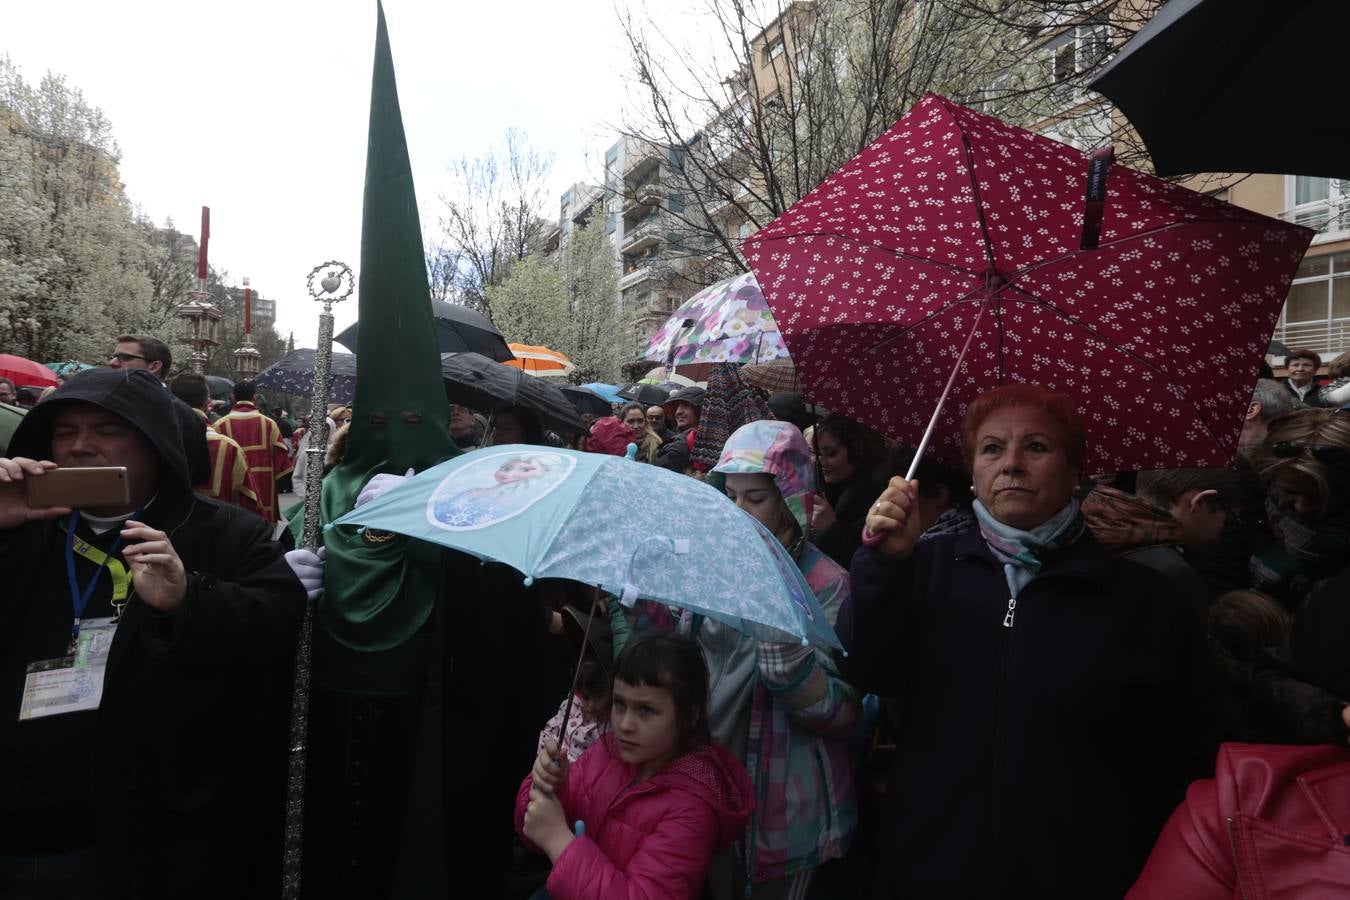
(206, 236)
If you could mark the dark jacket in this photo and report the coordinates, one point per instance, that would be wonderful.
(1312, 398)
(1300, 687)
(188, 779)
(851, 500)
(674, 454)
(1038, 760)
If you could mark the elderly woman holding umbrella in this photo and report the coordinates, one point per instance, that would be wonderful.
(1057, 700)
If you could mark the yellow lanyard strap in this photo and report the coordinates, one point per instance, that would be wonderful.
(121, 579)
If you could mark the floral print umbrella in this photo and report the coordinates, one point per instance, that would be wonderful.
(726, 323)
(958, 252)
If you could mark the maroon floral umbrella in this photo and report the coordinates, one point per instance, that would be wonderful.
(957, 253)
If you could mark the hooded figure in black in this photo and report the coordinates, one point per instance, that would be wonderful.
(173, 787)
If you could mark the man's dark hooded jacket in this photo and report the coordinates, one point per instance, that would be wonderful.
(178, 778)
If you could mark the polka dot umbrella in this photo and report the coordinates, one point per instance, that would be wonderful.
(957, 253)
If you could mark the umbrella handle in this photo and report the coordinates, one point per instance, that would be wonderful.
(932, 423)
(576, 675)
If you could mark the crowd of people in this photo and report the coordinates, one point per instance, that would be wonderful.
(1053, 685)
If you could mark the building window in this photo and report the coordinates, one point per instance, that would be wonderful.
(1320, 203)
(1311, 190)
(1079, 49)
(1317, 313)
(773, 50)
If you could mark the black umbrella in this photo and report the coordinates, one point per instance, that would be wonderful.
(1278, 348)
(487, 386)
(459, 330)
(218, 385)
(646, 394)
(294, 374)
(1236, 86)
(586, 401)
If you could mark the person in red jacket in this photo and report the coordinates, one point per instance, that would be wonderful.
(1273, 822)
(642, 812)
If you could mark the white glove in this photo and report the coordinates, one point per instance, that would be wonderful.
(380, 484)
(308, 567)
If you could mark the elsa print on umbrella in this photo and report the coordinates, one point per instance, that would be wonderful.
(497, 487)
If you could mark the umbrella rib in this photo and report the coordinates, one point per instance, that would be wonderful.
(976, 294)
(979, 208)
(1111, 342)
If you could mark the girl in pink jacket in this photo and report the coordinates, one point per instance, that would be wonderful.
(642, 812)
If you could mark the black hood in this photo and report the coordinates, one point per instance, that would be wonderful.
(133, 394)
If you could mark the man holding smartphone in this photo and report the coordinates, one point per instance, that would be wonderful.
(144, 650)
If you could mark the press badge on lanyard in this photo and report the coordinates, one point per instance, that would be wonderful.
(74, 683)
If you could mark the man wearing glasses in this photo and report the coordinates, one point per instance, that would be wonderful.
(142, 352)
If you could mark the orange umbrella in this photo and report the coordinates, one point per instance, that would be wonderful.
(539, 361)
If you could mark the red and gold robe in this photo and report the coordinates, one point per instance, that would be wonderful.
(230, 481)
(264, 451)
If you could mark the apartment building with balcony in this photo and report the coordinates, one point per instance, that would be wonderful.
(644, 205)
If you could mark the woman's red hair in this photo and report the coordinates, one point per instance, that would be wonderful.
(1059, 407)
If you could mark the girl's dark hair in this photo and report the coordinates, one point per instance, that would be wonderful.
(866, 449)
(593, 681)
(931, 474)
(674, 662)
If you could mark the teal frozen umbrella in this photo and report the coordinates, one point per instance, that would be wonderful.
(552, 513)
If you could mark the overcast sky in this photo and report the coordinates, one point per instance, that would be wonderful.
(258, 109)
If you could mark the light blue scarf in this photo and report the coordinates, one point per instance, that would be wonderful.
(1019, 550)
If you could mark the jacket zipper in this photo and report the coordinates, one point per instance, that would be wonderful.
(1000, 720)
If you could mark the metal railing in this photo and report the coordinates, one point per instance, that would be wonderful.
(1329, 338)
(647, 231)
(1325, 217)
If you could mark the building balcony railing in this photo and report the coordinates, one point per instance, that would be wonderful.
(1329, 218)
(642, 198)
(647, 234)
(1329, 337)
(639, 274)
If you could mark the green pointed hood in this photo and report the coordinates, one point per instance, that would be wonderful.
(380, 587)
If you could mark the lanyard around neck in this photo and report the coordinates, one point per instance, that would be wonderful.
(102, 559)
